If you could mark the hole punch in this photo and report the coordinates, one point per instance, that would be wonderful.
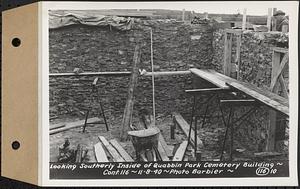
(16, 42)
(15, 145)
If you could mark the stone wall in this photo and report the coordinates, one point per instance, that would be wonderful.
(177, 46)
(256, 68)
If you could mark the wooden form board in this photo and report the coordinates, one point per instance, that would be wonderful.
(20, 94)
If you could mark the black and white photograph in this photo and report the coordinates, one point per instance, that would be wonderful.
(171, 90)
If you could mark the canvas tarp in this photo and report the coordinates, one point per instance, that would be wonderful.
(58, 19)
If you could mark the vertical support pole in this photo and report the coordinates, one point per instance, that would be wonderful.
(244, 19)
(152, 67)
(173, 126)
(227, 53)
(183, 15)
(195, 137)
(273, 114)
(238, 55)
(269, 19)
(231, 134)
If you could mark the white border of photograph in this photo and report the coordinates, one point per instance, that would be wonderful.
(290, 7)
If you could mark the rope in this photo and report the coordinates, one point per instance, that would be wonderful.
(153, 87)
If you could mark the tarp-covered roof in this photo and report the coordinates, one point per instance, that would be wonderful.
(58, 19)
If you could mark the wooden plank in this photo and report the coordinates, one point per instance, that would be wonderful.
(164, 144)
(162, 152)
(209, 90)
(185, 128)
(113, 152)
(179, 154)
(100, 153)
(267, 154)
(56, 126)
(121, 150)
(268, 98)
(169, 73)
(127, 116)
(74, 125)
(241, 102)
(210, 76)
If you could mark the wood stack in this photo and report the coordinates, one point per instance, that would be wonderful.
(110, 151)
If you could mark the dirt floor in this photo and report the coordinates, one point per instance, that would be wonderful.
(212, 137)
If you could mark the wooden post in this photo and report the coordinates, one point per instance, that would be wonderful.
(269, 19)
(238, 54)
(183, 15)
(272, 113)
(244, 19)
(274, 21)
(130, 99)
(227, 53)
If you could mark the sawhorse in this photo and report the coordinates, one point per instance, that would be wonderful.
(95, 90)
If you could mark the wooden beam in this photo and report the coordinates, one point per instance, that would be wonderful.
(127, 116)
(209, 90)
(74, 125)
(162, 152)
(244, 19)
(269, 21)
(121, 150)
(280, 66)
(184, 126)
(120, 74)
(268, 98)
(227, 53)
(179, 155)
(113, 152)
(168, 73)
(90, 74)
(56, 126)
(100, 153)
